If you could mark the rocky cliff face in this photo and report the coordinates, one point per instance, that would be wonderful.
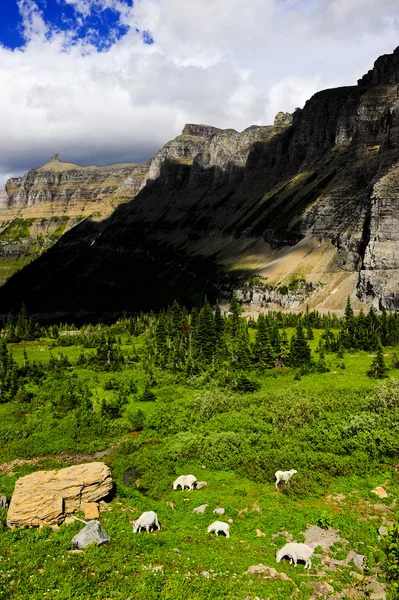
(38, 208)
(313, 196)
(66, 187)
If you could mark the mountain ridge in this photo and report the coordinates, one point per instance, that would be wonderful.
(313, 196)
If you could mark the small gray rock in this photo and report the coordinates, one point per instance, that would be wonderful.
(206, 574)
(200, 484)
(358, 561)
(3, 502)
(158, 569)
(321, 588)
(200, 509)
(219, 511)
(383, 530)
(92, 533)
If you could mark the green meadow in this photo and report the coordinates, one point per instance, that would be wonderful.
(161, 398)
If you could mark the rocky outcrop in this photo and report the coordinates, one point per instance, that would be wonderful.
(267, 572)
(269, 296)
(314, 195)
(48, 497)
(38, 208)
(92, 533)
(66, 186)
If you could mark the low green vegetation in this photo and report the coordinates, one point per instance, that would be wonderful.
(229, 400)
(17, 230)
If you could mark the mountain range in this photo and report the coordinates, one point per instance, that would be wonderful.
(302, 212)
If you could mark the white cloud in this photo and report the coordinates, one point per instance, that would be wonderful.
(227, 63)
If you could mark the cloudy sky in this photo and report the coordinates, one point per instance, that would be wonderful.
(106, 81)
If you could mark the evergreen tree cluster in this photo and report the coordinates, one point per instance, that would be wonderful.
(206, 338)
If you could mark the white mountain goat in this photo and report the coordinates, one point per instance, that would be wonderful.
(219, 527)
(185, 481)
(146, 521)
(284, 476)
(296, 552)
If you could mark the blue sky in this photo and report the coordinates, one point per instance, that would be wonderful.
(102, 24)
(106, 81)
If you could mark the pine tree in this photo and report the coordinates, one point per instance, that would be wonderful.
(275, 336)
(378, 368)
(309, 333)
(243, 349)
(234, 317)
(205, 339)
(219, 323)
(177, 320)
(300, 353)
(349, 327)
(193, 322)
(25, 365)
(384, 328)
(362, 330)
(263, 352)
(161, 340)
(283, 358)
(109, 355)
(23, 325)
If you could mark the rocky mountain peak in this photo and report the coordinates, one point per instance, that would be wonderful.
(205, 131)
(384, 72)
(283, 119)
(55, 158)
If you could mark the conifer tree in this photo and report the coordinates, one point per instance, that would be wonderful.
(378, 368)
(309, 333)
(161, 339)
(23, 325)
(234, 317)
(300, 353)
(284, 353)
(349, 333)
(263, 352)
(275, 338)
(177, 320)
(205, 339)
(242, 351)
(384, 328)
(109, 355)
(193, 321)
(362, 330)
(219, 323)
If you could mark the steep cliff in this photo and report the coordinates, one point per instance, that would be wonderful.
(38, 208)
(313, 197)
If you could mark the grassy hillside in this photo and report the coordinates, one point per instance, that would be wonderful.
(78, 392)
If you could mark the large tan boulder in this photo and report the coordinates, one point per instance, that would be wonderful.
(48, 497)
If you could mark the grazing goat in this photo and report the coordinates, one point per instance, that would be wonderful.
(296, 552)
(284, 476)
(219, 527)
(185, 481)
(146, 521)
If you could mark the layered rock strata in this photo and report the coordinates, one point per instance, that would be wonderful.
(49, 497)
